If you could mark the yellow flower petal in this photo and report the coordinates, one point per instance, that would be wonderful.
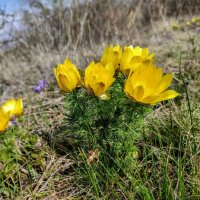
(153, 82)
(4, 120)
(132, 58)
(67, 76)
(110, 69)
(111, 55)
(146, 85)
(65, 84)
(138, 92)
(98, 88)
(57, 79)
(165, 82)
(150, 100)
(98, 78)
(13, 106)
(169, 94)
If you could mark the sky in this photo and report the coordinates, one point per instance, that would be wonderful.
(10, 5)
(14, 7)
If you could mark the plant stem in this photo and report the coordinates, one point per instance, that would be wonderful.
(83, 113)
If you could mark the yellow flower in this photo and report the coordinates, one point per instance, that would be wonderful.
(194, 19)
(111, 55)
(99, 78)
(198, 23)
(67, 76)
(147, 85)
(176, 26)
(4, 120)
(187, 23)
(13, 106)
(132, 58)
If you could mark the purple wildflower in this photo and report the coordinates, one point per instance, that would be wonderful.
(42, 84)
(38, 88)
(13, 122)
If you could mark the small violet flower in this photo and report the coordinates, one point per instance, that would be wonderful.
(42, 83)
(38, 88)
(13, 122)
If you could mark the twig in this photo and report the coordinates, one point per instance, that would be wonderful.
(41, 180)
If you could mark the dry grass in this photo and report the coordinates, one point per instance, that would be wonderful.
(81, 32)
(56, 32)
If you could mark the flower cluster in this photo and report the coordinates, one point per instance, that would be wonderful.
(144, 82)
(193, 22)
(8, 111)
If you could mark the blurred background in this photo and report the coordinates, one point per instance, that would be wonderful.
(35, 35)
